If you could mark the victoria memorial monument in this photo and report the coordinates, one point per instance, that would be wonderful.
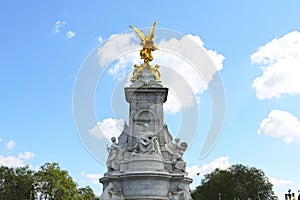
(146, 162)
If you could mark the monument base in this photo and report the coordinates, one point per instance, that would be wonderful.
(147, 185)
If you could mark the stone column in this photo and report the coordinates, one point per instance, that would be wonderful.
(146, 111)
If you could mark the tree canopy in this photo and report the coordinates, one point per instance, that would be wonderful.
(16, 183)
(48, 183)
(237, 182)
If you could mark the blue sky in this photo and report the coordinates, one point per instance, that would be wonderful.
(44, 44)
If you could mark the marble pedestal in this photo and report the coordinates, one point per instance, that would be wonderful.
(145, 178)
(146, 163)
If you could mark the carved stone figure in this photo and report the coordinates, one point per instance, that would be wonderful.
(105, 194)
(116, 195)
(115, 153)
(147, 143)
(182, 192)
(110, 193)
(177, 150)
(179, 164)
(186, 191)
(175, 195)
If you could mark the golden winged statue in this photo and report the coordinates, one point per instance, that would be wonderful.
(146, 42)
(146, 53)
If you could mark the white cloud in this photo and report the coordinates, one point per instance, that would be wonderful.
(280, 185)
(116, 45)
(216, 58)
(0, 139)
(194, 171)
(185, 82)
(70, 34)
(10, 145)
(280, 63)
(221, 163)
(108, 128)
(277, 182)
(26, 155)
(173, 104)
(119, 69)
(57, 27)
(100, 39)
(92, 178)
(13, 161)
(280, 124)
(196, 81)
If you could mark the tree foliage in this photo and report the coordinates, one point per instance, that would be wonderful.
(16, 183)
(237, 182)
(49, 183)
(54, 183)
(86, 193)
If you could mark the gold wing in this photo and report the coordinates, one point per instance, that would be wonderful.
(139, 32)
(151, 34)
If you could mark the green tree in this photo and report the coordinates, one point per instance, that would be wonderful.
(53, 183)
(236, 182)
(86, 193)
(49, 183)
(16, 183)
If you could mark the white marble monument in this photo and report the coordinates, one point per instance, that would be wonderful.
(146, 162)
